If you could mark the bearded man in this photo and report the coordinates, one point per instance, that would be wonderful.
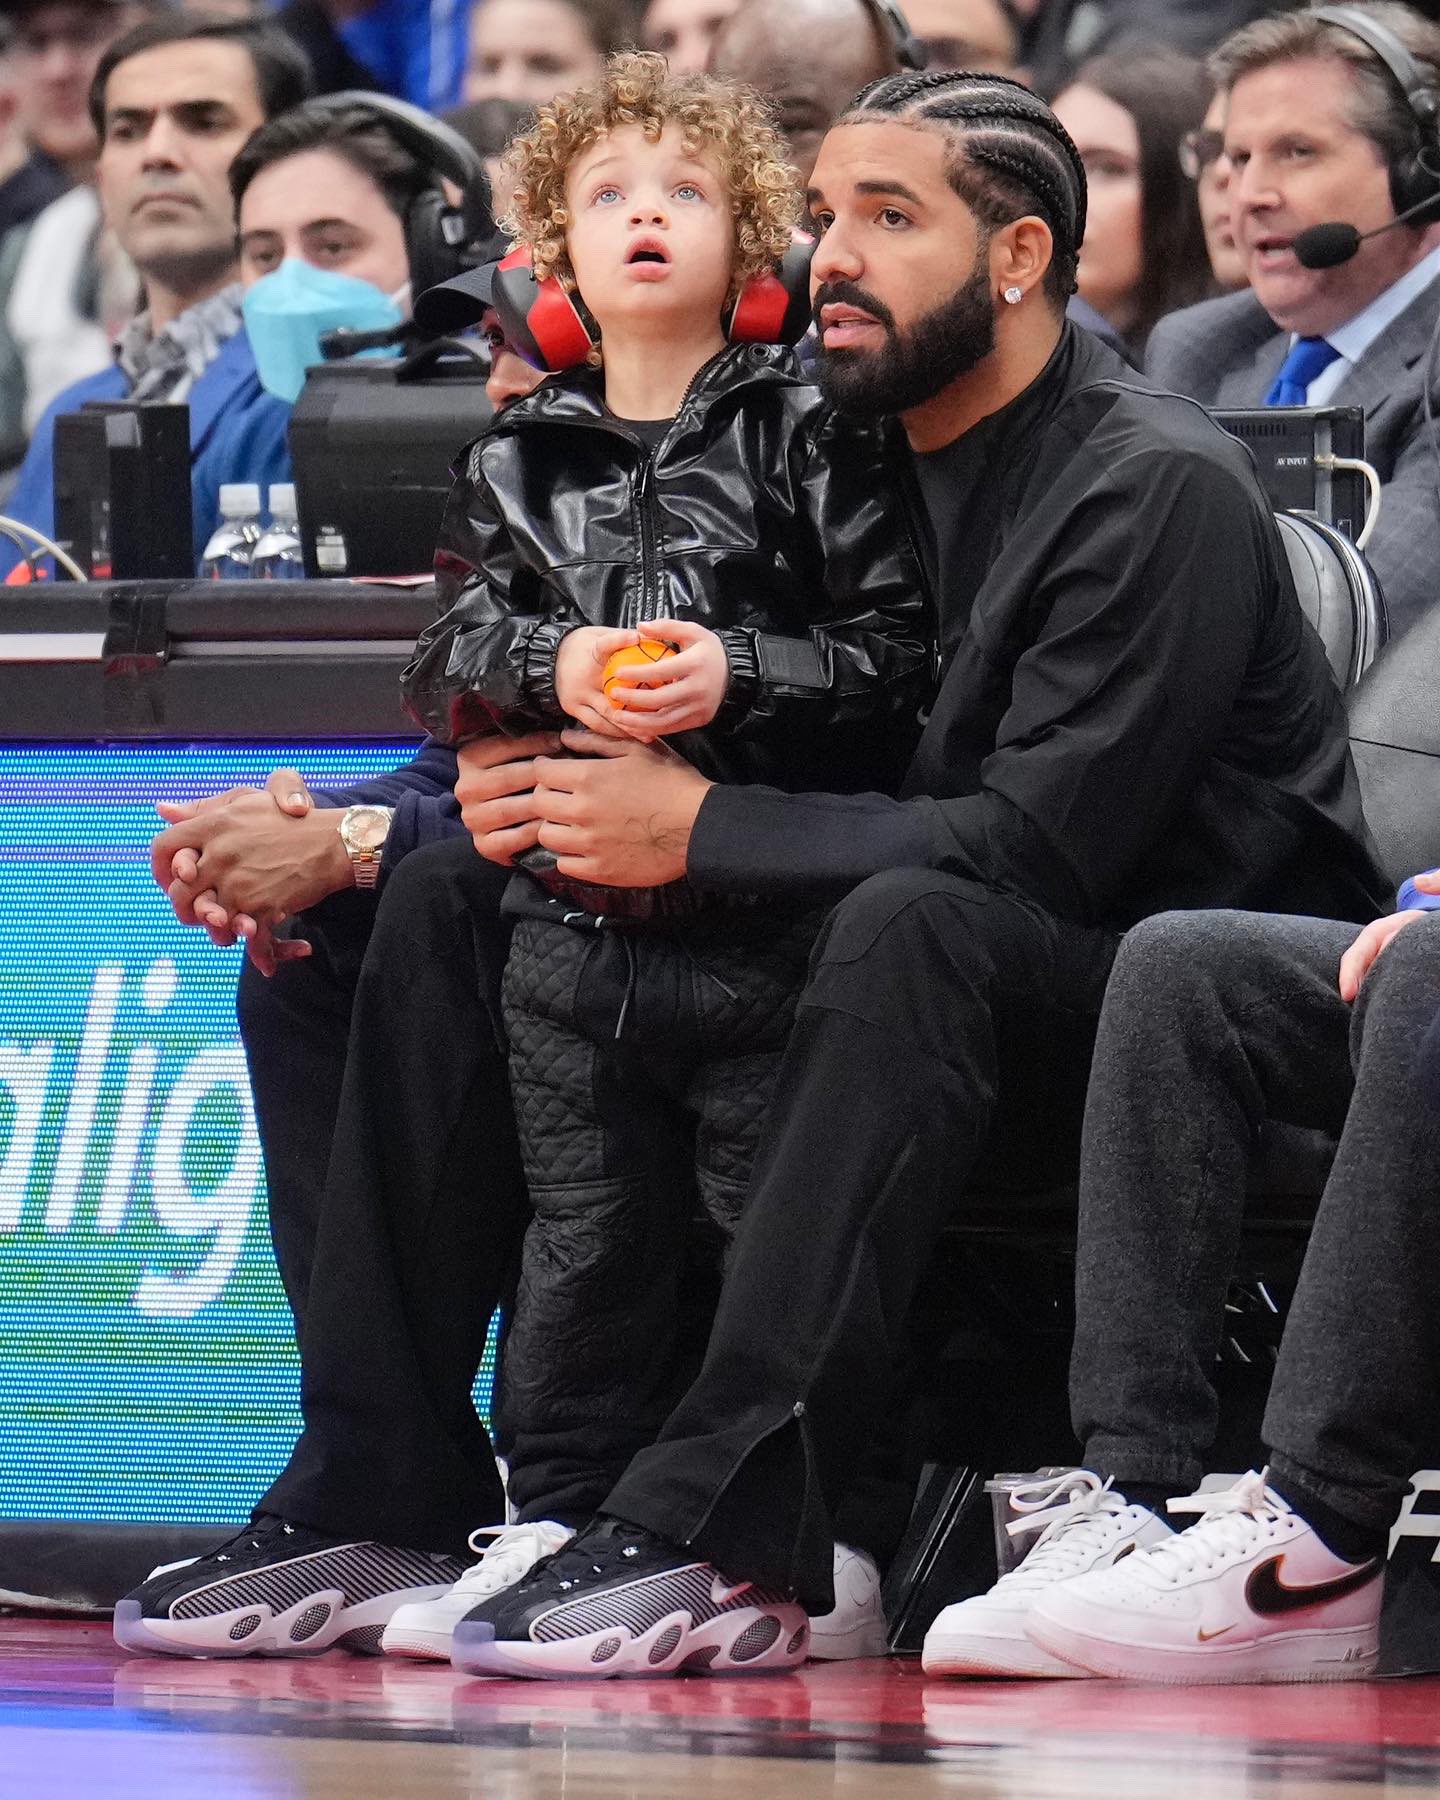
(1131, 714)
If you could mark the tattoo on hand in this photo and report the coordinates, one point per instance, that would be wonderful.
(655, 834)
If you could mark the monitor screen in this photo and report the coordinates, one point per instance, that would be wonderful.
(147, 1364)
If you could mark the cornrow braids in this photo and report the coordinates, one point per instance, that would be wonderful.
(1005, 133)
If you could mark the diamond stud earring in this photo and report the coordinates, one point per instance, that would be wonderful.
(1014, 295)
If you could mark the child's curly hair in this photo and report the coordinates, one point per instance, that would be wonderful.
(720, 117)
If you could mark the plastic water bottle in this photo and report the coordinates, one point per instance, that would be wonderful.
(227, 555)
(278, 556)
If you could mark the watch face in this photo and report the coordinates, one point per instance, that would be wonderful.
(367, 827)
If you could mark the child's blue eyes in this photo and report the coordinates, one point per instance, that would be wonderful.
(608, 195)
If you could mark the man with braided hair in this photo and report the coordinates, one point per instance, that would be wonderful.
(1131, 714)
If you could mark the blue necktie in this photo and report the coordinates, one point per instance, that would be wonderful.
(1308, 358)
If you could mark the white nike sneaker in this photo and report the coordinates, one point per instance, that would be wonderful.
(856, 1626)
(1083, 1525)
(425, 1628)
(1248, 1594)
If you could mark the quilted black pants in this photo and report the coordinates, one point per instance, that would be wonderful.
(641, 1063)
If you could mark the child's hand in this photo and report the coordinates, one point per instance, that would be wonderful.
(579, 667)
(678, 693)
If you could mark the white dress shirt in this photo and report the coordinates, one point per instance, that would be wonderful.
(1355, 336)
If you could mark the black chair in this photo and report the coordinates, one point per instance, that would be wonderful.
(1396, 742)
(1338, 593)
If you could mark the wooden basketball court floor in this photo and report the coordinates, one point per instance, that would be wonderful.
(80, 1718)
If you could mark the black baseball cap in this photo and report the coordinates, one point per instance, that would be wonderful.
(457, 304)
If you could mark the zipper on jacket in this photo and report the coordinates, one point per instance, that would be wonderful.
(646, 510)
(649, 519)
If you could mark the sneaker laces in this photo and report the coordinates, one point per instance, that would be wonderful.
(1226, 1525)
(259, 1535)
(514, 1551)
(590, 1552)
(1070, 1529)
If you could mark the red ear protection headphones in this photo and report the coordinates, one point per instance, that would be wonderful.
(551, 329)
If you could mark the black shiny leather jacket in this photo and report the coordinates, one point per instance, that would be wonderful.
(761, 514)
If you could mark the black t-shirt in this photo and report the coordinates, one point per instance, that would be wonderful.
(649, 431)
(957, 534)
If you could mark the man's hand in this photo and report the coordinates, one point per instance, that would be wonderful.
(495, 791)
(579, 669)
(286, 787)
(1362, 955)
(250, 858)
(617, 814)
(196, 904)
(676, 693)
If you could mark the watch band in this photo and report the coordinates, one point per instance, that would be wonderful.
(366, 864)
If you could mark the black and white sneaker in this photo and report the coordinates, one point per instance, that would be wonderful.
(621, 1601)
(277, 1589)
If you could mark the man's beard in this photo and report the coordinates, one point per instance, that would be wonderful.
(940, 347)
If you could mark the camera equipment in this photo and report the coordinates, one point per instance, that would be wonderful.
(122, 489)
(373, 444)
(1309, 459)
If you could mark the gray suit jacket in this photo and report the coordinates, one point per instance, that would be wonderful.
(1227, 352)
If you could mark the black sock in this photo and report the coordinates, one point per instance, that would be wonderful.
(1342, 1537)
(1152, 1494)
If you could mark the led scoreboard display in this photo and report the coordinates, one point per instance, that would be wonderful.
(147, 1363)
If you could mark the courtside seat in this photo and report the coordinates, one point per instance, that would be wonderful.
(1338, 593)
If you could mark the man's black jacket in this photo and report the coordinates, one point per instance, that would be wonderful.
(1133, 713)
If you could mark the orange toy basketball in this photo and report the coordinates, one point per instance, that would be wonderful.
(648, 650)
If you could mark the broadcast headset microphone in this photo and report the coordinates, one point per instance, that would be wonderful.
(1414, 176)
(342, 341)
(1414, 171)
(1327, 246)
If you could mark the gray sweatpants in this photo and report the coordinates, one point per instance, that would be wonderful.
(1212, 1023)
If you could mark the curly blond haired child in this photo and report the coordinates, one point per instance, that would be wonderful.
(686, 489)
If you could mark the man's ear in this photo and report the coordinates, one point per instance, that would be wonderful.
(1021, 254)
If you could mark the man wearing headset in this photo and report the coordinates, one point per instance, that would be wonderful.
(173, 101)
(339, 202)
(343, 216)
(1331, 119)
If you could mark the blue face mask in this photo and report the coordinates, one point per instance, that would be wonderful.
(287, 311)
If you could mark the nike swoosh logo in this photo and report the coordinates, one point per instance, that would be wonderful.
(1205, 1636)
(722, 1592)
(1267, 1595)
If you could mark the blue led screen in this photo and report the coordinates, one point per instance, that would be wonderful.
(147, 1362)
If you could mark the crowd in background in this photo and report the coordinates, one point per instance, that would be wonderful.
(1126, 76)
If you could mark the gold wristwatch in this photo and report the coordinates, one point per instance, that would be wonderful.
(363, 831)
